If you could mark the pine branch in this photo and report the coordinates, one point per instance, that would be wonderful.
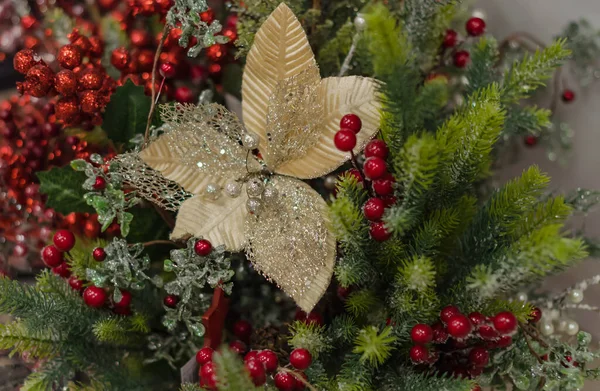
(482, 71)
(17, 338)
(310, 336)
(231, 375)
(386, 41)
(374, 347)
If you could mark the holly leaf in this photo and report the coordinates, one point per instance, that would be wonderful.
(63, 186)
(127, 113)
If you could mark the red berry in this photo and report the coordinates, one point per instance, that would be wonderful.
(64, 240)
(314, 317)
(373, 209)
(568, 96)
(475, 26)
(421, 333)
(356, 174)
(300, 358)
(125, 299)
(99, 183)
(377, 148)
(479, 356)
(440, 335)
(251, 355)
(476, 387)
(384, 186)
(52, 256)
(256, 371)
(99, 254)
(208, 376)
(504, 341)
(345, 140)
(75, 283)
(94, 296)
(204, 355)
(242, 329)
(269, 359)
(352, 122)
(285, 381)
(184, 94)
(301, 383)
(419, 354)
(448, 312)
(171, 301)
(238, 346)
(450, 38)
(505, 322)
(203, 247)
(530, 140)
(125, 311)
(487, 332)
(300, 315)
(62, 270)
(375, 167)
(167, 70)
(378, 231)
(461, 58)
(536, 315)
(477, 318)
(459, 326)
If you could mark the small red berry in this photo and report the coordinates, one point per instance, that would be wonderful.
(448, 312)
(375, 167)
(377, 148)
(94, 296)
(479, 356)
(373, 209)
(530, 140)
(568, 96)
(171, 301)
(536, 315)
(204, 355)
(476, 387)
(242, 329)
(300, 315)
(477, 318)
(345, 140)
(285, 381)
(440, 335)
(384, 186)
(99, 183)
(459, 326)
(475, 26)
(379, 232)
(356, 174)
(352, 122)
(269, 359)
(62, 270)
(421, 333)
(125, 299)
(208, 376)
(64, 240)
(75, 283)
(167, 70)
(251, 355)
(461, 58)
(505, 322)
(99, 254)
(52, 256)
(203, 247)
(450, 38)
(256, 371)
(300, 358)
(419, 354)
(301, 381)
(238, 346)
(314, 317)
(504, 341)
(487, 332)
(184, 94)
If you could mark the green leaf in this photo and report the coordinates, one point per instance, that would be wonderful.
(127, 113)
(63, 186)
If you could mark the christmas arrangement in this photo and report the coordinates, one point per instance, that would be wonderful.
(287, 196)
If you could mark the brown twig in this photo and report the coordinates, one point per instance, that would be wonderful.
(298, 377)
(533, 352)
(533, 335)
(165, 33)
(155, 242)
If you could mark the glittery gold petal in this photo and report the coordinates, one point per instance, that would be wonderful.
(220, 221)
(291, 243)
(280, 51)
(339, 96)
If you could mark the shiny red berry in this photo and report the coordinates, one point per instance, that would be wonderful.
(52, 256)
(419, 354)
(301, 381)
(99, 254)
(536, 315)
(184, 94)
(459, 326)
(356, 174)
(477, 318)
(345, 140)
(242, 329)
(373, 209)
(62, 270)
(530, 140)
(269, 359)
(285, 381)
(379, 232)
(171, 301)
(384, 186)
(440, 335)
(99, 183)
(94, 296)
(256, 371)
(504, 341)
(375, 167)
(475, 26)
(75, 283)
(568, 96)
(352, 122)
(314, 317)
(421, 333)
(204, 355)
(208, 377)
(251, 355)
(203, 247)
(505, 322)
(125, 299)
(167, 70)
(238, 346)
(377, 148)
(479, 356)
(450, 38)
(476, 387)
(64, 240)
(448, 312)
(487, 332)
(461, 58)
(300, 358)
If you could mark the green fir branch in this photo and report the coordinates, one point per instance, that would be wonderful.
(14, 336)
(374, 347)
(310, 336)
(231, 375)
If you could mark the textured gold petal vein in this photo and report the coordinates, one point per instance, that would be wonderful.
(220, 221)
(338, 96)
(280, 51)
(291, 242)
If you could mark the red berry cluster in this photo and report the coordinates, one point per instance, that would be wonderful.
(475, 27)
(460, 344)
(53, 254)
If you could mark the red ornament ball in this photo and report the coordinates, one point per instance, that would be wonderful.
(238, 347)
(256, 371)
(91, 102)
(65, 82)
(64, 240)
(314, 317)
(62, 270)
(345, 140)
(352, 122)
(184, 94)
(419, 354)
(384, 186)
(94, 296)
(459, 326)
(69, 56)
(204, 355)
(39, 80)
(530, 140)
(208, 376)
(91, 79)
(167, 70)
(377, 148)
(67, 109)
(373, 209)
(24, 60)
(285, 381)
(378, 231)
(461, 58)
(568, 96)
(374, 167)
(52, 256)
(300, 358)
(202, 247)
(171, 301)
(448, 312)
(536, 315)
(75, 283)
(125, 299)
(242, 329)
(99, 183)
(450, 38)
(421, 333)
(505, 322)
(475, 26)
(269, 359)
(120, 58)
(216, 52)
(477, 318)
(479, 356)
(208, 16)
(99, 254)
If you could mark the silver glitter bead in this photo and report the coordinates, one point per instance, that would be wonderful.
(572, 328)
(254, 206)
(330, 182)
(575, 296)
(522, 296)
(255, 187)
(360, 22)
(250, 140)
(546, 328)
(233, 189)
(212, 191)
(270, 195)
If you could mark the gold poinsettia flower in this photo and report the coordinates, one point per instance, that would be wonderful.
(290, 116)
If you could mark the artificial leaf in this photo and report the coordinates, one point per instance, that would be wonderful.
(127, 113)
(64, 188)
